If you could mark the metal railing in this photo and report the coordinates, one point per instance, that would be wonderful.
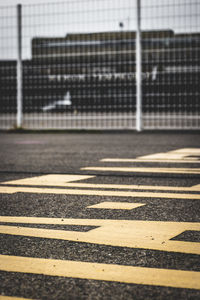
(97, 64)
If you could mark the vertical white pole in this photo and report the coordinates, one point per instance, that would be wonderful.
(138, 69)
(19, 66)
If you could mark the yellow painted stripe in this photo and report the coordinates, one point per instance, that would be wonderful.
(13, 298)
(60, 180)
(119, 186)
(99, 271)
(116, 205)
(189, 151)
(149, 160)
(179, 154)
(155, 235)
(94, 222)
(50, 179)
(109, 236)
(146, 170)
(11, 190)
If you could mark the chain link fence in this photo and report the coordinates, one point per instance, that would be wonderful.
(100, 64)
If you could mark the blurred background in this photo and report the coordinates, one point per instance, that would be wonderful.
(100, 64)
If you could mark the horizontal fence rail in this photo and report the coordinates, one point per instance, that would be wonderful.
(97, 64)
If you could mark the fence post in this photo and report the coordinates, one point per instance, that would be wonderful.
(138, 68)
(19, 67)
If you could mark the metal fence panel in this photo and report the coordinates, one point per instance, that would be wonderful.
(8, 57)
(80, 70)
(171, 99)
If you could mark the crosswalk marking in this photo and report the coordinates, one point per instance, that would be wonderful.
(153, 235)
(145, 170)
(61, 180)
(12, 190)
(116, 205)
(100, 271)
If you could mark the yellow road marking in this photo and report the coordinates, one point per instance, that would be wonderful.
(155, 235)
(61, 180)
(148, 160)
(146, 170)
(13, 298)
(175, 155)
(190, 151)
(116, 205)
(49, 180)
(99, 271)
(12, 190)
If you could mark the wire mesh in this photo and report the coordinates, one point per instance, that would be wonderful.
(8, 87)
(79, 64)
(172, 55)
(79, 70)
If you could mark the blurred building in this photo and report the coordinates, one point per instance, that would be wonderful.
(96, 72)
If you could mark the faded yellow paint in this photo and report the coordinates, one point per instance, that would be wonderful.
(61, 180)
(178, 155)
(124, 160)
(116, 205)
(49, 180)
(146, 170)
(153, 235)
(189, 151)
(13, 298)
(99, 271)
(175, 156)
(12, 190)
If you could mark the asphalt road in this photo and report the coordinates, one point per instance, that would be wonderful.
(140, 242)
